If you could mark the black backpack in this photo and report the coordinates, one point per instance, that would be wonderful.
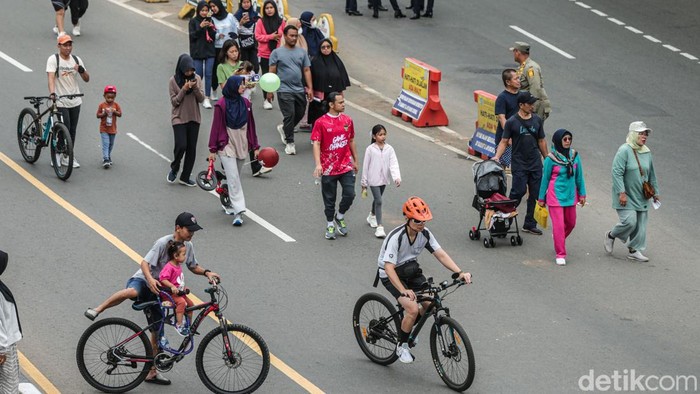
(58, 60)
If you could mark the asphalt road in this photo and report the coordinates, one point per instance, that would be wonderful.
(535, 327)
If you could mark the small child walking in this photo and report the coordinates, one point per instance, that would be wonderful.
(171, 276)
(379, 167)
(107, 112)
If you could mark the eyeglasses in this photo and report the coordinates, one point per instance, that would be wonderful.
(325, 47)
(644, 133)
(67, 44)
(566, 139)
(418, 221)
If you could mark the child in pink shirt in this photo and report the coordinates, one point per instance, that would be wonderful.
(171, 276)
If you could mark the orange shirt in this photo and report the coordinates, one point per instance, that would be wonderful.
(103, 119)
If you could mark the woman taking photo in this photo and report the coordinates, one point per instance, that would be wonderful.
(185, 95)
(268, 34)
(202, 50)
(631, 168)
(561, 189)
(328, 75)
(247, 17)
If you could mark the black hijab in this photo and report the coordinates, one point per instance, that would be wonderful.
(252, 15)
(328, 72)
(184, 64)
(222, 14)
(4, 290)
(236, 111)
(312, 35)
(560, 155)
(271, 23)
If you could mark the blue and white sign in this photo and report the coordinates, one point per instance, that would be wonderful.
(483, 142)
(410, 105)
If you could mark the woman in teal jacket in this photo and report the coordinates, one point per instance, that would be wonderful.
(561, 188)
(627, 195)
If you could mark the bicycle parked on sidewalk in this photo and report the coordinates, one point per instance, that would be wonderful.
(33, 135)
(114, 355)
(376, 323)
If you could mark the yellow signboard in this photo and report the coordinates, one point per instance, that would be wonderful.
(415, 79)
(486, 106)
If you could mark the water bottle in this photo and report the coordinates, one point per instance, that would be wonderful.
(108, 120)
(164, 344)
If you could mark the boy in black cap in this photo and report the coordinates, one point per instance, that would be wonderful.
(525, 131)
(143, 285)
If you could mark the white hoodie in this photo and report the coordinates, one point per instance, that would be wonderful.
(380, 166)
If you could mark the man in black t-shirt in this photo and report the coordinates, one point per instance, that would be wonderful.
(524, 130)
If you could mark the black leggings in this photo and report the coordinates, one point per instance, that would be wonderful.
(185, 145)
(70, 119)
(77, 10)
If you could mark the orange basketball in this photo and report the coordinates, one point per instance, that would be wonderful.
(268, 157)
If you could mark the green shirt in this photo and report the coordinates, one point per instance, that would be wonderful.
(225, 70)
(626, 178)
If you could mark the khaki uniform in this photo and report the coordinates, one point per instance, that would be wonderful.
(530, 75)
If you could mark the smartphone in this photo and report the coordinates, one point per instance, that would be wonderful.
(245, 15)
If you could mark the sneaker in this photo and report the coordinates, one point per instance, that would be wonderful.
(290, 149)
(380, 232)
(404, 353)
(64, 161)
(76, 30)
(106, 164)
(58, 160)
(637, 256)
(280, 129)
(561, 261)
(61, 33)
(75, 163)
(608, 243)
(372, 220)
(171, 177)
(237, 220)
(342, 227)
(267, 105)
(213, 96)
(265, 170)
(91, 314)
(533, 230)
(206, 103)
(183, 330)
(111, 163)
(227, 210)
(330, 232)
(189, 183)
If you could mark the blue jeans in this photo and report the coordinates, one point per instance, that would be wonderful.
(107, 145)
(329, 191)
(208, 67)
(527, 181)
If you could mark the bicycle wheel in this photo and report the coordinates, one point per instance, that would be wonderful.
(61, 151)
(452, 354)
(29, 135)
(375, 329)
(105, 359)
(245, 372)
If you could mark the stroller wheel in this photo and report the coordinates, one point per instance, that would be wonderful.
(486, 243)
(513, 242)
(472, 235)
(491, 242)
(519, 240)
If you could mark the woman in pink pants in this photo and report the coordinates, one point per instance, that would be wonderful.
(562, 187)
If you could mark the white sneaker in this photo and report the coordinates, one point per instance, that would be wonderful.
(637, 256)
(280, 129)
(75, 163)
(55, 30)
(608, 243)
(61, 33)
(561, 261)
(213, 96)
(290, 149)
(76, 30)
(372, 220)
(404, 353)
(380, 232)
(267, 105)
(206, 103)
(265, 170)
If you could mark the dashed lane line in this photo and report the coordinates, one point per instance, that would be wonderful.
(543, 42)
(124, 248)
(250, 214)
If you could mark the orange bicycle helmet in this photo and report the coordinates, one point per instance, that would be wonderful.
(416, 208)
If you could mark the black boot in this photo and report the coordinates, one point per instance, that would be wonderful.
(398, 14)
(382, 8)
(415, 16)
(375, 15)
(428, 15)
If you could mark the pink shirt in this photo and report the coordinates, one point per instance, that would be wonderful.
(173, 274)
(335, 134)
(263, 38)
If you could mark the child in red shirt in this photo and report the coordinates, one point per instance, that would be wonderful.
(107, 112)
(171, 276)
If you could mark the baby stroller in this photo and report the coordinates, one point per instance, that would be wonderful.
(496, 212)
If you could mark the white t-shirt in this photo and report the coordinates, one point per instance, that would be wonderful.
(67, 83)
(9, 325)
(397, 249)
(224, 26)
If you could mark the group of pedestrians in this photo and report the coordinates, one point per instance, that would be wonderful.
(417, 6)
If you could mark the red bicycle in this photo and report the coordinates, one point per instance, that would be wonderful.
(212, 179)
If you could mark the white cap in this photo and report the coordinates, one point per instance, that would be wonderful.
(639, 126)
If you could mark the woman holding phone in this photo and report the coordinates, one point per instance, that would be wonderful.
(247, 17)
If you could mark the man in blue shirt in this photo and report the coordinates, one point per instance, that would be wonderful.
(507, 106)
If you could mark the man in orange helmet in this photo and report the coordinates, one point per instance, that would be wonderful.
(399, 270)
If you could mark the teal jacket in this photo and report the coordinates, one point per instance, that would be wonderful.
(626, 178)
(558, 188)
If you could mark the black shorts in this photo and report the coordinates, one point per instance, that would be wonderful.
(415, 283)
(60, 4)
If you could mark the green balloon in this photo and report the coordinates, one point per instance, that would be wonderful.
(269, 82)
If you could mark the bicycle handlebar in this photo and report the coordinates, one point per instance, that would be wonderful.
(57, 97)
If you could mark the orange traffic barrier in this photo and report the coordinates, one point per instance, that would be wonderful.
(483, 142)
(419, 100)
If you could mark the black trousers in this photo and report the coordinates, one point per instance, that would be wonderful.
(350, 5)
(70, 119)
(418, 6)
(329, 191)
(292, 106)
(186, 135)
(264, 67)
(378, 3)
(77, 10)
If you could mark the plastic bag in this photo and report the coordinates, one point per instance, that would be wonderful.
(541, 215)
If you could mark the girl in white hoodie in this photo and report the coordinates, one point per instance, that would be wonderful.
(379, 167)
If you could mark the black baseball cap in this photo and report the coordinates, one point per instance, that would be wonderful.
(526, 97)
(188, 220)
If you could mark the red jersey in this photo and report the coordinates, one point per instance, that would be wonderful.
(334, 133)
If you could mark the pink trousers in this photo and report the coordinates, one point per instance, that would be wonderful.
(563, 223)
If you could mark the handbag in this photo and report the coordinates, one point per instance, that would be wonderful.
(541, 215)
(247, 41)
(647, 188)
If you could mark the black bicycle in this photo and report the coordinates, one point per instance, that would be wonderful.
(114, 355)
(376, 323)
(33, 135)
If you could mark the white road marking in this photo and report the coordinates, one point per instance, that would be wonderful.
(616, 21)
(543, 42)
(633, 30)
(689, 56)
(652, 39)
(15, 63)
(597, 12)
(671, 47)
(584, 5)
(254, 217)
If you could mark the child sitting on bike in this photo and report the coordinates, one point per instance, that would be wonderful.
(171, 276)
(400, 272)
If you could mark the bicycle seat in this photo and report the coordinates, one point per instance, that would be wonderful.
(139, 306)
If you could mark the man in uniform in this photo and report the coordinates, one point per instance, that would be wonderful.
(531, 78)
